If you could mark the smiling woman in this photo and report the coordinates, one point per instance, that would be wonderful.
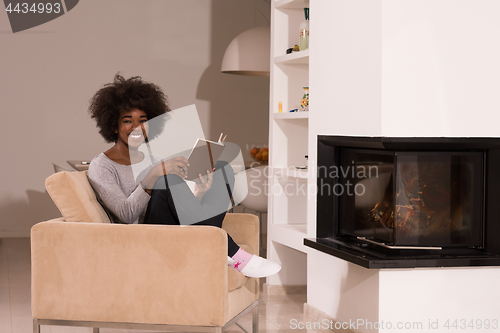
(159, 195)
(131, 133)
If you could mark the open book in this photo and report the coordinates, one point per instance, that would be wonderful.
(203, 157)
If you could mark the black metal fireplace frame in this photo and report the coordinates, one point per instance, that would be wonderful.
(329, 240)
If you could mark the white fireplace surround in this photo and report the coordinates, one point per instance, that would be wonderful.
(402, 68)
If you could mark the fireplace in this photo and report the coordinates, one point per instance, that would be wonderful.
(409, 202)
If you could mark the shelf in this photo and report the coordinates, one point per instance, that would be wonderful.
(291, 115)
(291, 235)
(294, 58)
(291, 172)
(291, 4)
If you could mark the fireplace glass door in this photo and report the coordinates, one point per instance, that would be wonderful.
(412, 198)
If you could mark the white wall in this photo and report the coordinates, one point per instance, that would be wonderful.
(440, 68)
(345, 67)
(400, 68)
(49, 73)
(342, 290)
(405, 68)
(425, 299)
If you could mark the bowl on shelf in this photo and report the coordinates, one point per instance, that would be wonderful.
(258, 152)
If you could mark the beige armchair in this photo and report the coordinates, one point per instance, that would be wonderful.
(103, 275)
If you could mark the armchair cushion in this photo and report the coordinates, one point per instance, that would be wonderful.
(75, 198)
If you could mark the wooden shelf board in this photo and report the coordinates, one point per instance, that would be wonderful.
(294, 58)
(291, 172)
(291, 4)
(291, 115)
(301, 228)
(291, 235)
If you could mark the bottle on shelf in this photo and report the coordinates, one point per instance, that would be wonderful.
(304, 32)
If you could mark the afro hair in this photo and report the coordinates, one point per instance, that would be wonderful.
(122, 95)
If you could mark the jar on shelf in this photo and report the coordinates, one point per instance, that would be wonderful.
(304, 103)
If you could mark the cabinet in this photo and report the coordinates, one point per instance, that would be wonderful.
(288, 145)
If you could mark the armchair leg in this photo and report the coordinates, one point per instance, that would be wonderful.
(36, 327)
(255, 319)
(95, 330)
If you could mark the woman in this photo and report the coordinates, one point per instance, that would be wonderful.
(122, 110)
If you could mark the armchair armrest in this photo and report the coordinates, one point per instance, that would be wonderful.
(148, 274)
(243, 228)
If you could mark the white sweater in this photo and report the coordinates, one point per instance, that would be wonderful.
(118, 191)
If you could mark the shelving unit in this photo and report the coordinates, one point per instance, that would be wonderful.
(288, 145)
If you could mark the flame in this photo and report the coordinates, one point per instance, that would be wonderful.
(422, 205)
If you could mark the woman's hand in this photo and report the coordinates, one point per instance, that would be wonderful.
(174, 166)
(203, 185)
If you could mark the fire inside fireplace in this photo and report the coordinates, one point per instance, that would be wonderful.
(413, 198)
(408, 202)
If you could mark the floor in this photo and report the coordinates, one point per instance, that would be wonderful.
(277, 313)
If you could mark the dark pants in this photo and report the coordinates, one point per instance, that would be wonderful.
(173, 203)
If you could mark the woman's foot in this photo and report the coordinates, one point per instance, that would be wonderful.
(258, 267)
(254, 266)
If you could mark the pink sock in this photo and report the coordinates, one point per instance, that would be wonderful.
(241, 258)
